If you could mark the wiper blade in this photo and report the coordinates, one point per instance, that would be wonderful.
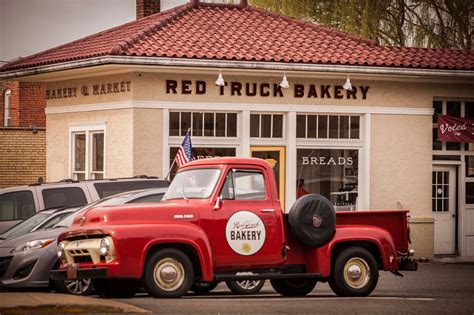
(183, 194)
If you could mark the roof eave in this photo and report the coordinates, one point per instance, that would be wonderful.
(235, 64)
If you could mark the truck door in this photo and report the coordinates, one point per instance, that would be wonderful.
(247, 226)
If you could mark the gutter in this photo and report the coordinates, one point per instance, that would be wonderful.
(232, 64)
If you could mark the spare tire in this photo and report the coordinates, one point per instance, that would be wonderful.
(312, 220)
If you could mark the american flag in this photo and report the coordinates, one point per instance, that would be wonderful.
(185, 154)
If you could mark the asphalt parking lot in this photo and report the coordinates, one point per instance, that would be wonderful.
(434, 289)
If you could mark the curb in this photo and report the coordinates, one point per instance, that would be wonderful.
(35, 302)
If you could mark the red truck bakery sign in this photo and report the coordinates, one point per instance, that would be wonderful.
(455, 129)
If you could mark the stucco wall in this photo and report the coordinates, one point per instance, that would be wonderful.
(400, 93)
(118, 143)
(401, 172)
(148, 142)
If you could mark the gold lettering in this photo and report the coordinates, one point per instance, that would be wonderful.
(116, 88)
(95, 89)
(122, 86)
(102, 89)
(109, 88)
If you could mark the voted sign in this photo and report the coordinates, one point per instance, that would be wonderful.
(455, 129)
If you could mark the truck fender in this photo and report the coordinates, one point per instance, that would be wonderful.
(352, 236)
(184, 234)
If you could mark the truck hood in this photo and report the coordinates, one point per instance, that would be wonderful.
(138, 213)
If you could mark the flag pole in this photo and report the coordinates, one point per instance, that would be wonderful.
(174, 160)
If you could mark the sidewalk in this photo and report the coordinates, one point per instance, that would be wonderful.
(454, 260)
(40, 302)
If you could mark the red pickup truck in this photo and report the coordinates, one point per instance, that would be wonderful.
(221, 220)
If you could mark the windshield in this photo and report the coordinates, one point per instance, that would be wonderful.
(25, 226)
(193, 184)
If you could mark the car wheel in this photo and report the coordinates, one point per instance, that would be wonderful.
(76, 287)
(245, 287)
(355, 273)
(116, 288)
(293, 287)
(204, 287)
(168, 273)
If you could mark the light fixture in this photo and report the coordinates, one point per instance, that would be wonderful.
(347, 85)
(284, 82)
(220, 80)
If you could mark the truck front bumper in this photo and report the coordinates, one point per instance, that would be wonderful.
(80, 273)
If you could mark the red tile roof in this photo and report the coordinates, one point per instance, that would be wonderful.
(226, 32)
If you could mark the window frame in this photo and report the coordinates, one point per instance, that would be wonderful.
(89, 130)
(182, 132)
(7, 98)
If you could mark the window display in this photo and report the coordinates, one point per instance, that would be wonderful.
(332, 173)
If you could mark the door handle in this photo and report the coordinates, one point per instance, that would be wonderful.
(268, 210)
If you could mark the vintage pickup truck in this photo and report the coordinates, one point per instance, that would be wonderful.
(221, 220)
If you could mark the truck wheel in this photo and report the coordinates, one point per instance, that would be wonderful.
(293, 287)
(245, 287)
(204, 287)
(355, 273)
(312, 220)
(75, 287)
(168, 273)
(116, 288)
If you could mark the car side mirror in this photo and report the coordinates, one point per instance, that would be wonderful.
(218, 203)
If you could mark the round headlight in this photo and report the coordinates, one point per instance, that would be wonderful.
(60, 250)
(104, 247)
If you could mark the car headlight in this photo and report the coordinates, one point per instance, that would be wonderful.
(104, 247)
(32, 245)
(60, 250)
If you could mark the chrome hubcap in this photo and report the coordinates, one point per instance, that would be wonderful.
(356, 273)
(78, 287)
(169, 274)
(248, 284)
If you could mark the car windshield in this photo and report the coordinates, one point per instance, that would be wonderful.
(25, 226)
(193, 184)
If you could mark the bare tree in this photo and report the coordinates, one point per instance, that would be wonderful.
(420, 23)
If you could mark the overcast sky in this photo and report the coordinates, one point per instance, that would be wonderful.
(31, 26)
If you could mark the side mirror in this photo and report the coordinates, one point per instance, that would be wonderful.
(218, 203)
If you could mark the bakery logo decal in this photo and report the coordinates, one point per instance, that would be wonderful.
(245, 233)
(86, 90)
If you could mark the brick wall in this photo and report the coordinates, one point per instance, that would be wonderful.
(22, 156)
(28, 101)
(147, 7)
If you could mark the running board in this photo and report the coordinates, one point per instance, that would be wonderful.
(264, 276)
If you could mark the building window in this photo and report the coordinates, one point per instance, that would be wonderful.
(200, 153)
(203, 124)
(87, 153)
(266, 125)
(327, 127)
(332, 173)
(7, 113)
(463, 109)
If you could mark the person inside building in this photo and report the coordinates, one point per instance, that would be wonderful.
(300, 190)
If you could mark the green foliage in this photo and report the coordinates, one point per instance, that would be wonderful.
(419, 23)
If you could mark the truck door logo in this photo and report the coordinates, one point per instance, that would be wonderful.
(245, 233)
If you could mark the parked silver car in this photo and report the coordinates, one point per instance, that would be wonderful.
(25, 261)
(42, 220)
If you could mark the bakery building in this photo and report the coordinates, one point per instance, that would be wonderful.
(333, 113)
